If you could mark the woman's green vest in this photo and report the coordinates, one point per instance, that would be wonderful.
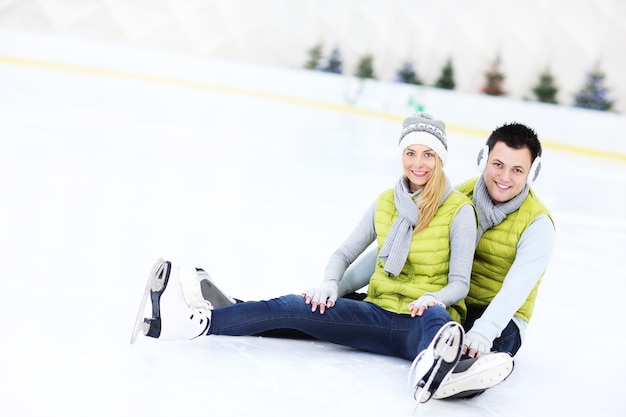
(496, 252)
(428, 262)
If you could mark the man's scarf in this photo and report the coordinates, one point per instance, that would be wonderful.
(490, 214)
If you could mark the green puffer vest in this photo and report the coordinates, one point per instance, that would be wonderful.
(496, 252)
(428, 262)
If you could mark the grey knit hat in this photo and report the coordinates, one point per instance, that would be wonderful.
(423, 129)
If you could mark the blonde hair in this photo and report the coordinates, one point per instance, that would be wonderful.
(431, 196)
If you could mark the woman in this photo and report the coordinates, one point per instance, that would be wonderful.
(426, 232)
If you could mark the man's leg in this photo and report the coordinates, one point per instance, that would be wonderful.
(472, 376)
(509, 341)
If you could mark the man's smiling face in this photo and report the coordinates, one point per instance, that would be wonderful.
(506, 171)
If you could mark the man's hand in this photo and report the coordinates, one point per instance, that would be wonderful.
(475, 344)
(323, 297)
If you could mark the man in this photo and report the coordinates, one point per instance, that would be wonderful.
(515, 240)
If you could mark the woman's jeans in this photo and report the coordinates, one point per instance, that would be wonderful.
(361, 325)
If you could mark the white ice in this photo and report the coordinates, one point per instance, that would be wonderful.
(100, 175)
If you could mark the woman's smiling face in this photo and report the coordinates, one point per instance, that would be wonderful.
(418, 162)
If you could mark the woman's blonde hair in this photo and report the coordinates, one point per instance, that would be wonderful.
(431, 195)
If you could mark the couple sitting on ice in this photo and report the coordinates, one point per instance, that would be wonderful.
(451, 286)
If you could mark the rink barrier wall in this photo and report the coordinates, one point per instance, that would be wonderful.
(567, 129)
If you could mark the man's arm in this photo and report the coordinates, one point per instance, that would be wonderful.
(533, 255)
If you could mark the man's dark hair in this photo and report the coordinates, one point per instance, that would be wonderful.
(516, 136)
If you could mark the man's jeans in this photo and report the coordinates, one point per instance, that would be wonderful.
(357, 324)
(509, 341)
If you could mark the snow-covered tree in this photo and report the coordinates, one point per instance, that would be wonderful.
(335, 62)
(594, 95)
(407, 74)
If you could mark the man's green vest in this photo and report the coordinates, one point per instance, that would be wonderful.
(496, 252)
(428, 262)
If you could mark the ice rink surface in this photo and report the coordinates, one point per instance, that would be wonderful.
(101, 175)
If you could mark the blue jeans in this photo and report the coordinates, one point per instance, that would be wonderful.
(509, 341)
(357, 324)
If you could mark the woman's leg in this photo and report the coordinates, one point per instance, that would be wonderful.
(361, 325)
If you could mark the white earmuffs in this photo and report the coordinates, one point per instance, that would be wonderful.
(481, 160)
(534, 170)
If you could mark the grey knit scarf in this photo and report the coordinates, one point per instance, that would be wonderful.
(490, 214)
(396, 248)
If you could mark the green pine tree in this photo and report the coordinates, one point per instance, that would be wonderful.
(446, 79)
(315, 54)
(365, 67)
(546, 90)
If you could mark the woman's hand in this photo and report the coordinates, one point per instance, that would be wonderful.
(323, 297)
(420, 305)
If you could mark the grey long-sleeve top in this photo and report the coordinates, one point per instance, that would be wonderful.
(462, 243)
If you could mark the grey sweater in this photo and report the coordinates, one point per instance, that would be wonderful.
(462, 243)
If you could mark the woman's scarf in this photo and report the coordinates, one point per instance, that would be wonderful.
(396, 248)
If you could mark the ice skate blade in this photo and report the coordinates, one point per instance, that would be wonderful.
(419, 397)
(155, 283)
(436, 362)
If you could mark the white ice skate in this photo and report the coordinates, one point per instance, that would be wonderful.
(433, 364)
(211, 292)
(178, 309)
(473, 376)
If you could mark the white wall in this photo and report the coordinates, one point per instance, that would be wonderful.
(569, 36)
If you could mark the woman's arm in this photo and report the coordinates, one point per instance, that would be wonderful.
(360, 238)
(462, 247)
